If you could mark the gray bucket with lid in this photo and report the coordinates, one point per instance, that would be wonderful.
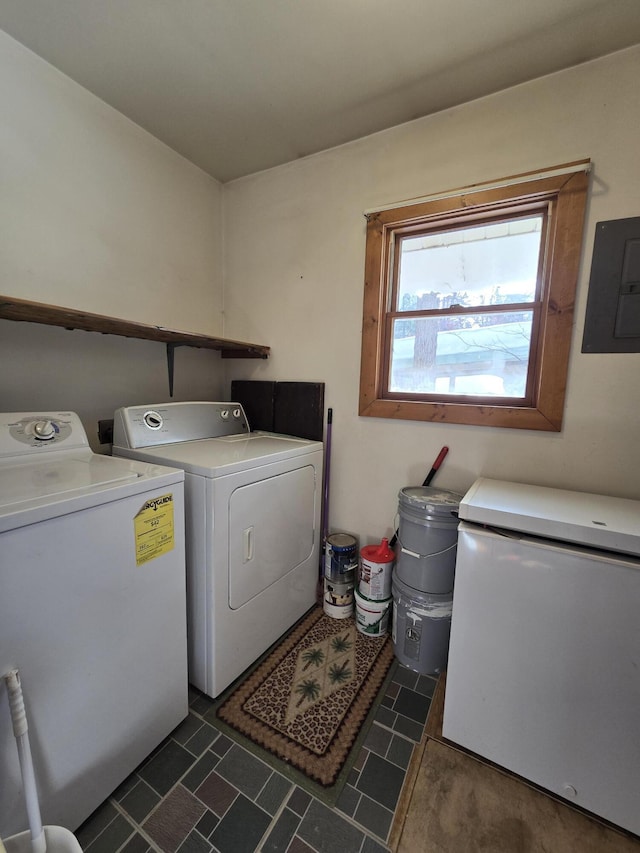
(421, 628)
(427, 538)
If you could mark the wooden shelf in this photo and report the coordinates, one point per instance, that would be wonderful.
(51, 315)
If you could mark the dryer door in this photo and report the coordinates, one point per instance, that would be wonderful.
(271, 529)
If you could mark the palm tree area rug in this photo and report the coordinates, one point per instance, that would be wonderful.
(307, 701)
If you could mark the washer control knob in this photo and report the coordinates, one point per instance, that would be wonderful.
(224, 414)
(153, 420)
(237, 413)
(44, 430)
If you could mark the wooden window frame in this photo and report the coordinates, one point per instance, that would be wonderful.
(563, 190)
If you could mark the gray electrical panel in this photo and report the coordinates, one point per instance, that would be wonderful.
(612, 322)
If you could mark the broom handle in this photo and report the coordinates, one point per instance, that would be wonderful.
(325, 494)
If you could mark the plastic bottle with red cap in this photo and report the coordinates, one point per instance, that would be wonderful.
(376, 564)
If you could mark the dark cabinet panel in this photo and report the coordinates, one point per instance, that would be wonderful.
(292, 408)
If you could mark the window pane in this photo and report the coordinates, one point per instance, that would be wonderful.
(470, 354)
(493, 264)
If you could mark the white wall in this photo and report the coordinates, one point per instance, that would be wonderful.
(295, 239)
(97, 215)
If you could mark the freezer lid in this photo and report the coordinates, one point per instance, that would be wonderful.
(598, 521)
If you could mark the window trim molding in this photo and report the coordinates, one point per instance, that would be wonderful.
(567, 193)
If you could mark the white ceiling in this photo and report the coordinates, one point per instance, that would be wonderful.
(237, 86)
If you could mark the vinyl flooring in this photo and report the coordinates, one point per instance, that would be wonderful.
(202, 791)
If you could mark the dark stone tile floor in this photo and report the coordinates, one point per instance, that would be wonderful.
(201, 792)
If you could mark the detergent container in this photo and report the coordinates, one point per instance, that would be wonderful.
(376, 565)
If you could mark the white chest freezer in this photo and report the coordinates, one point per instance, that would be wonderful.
(544, 661)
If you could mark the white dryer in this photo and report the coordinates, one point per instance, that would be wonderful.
(253, 503)
(92, 613)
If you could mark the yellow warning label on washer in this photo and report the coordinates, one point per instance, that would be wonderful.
(153, 527)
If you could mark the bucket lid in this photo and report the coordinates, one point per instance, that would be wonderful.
(342, 541)
(381, 553)
(427, 499)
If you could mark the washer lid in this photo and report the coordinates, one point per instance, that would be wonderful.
(217, 457)
(63, 483)
(599, 521)
(59, 478)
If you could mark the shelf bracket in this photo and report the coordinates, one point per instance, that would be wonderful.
(170, 360)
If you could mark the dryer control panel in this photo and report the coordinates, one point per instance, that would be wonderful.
(169, 423)
(37, 432)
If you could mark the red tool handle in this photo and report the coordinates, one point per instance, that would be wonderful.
(436, 465)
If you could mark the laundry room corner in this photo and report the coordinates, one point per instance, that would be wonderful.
(100, 216)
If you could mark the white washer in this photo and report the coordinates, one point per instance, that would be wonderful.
(92, 613)
(253, 527)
